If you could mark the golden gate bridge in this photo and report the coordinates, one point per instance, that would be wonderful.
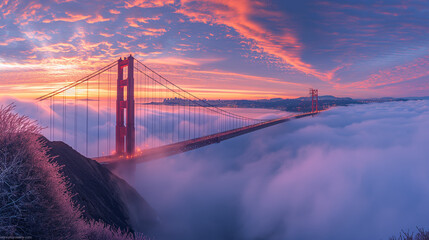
(151, 116)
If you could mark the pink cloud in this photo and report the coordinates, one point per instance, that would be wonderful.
(63, 1)
(156, 32)
(10, 40)
(114, 11)
(148, 3)
(398, 74)
(56, 48)
(142, 45)
(71, 18)
(98, 18)
(38, 35)
(174, 61)
(133, 22)
(106, 35)
(240, 15)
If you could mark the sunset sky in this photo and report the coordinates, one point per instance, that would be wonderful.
(237, 49)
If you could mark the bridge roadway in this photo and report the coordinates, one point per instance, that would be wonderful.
(184, 146)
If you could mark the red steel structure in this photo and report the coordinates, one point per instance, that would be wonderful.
(314, 99)
(125, 134)
(191, 122)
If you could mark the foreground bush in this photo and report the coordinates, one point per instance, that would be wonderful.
(34, 197)
(420, 235)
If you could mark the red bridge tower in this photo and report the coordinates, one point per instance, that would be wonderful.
(125, 134)
(314, 99)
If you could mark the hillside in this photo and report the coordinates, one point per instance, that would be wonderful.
(100, 193)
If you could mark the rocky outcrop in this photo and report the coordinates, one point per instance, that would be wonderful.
(102, 195)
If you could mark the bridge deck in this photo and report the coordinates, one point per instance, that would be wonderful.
(184, 146)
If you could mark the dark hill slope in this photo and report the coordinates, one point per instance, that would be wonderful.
(101, 194)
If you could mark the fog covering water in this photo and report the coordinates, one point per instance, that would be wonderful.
(357, 172)
(156, 125)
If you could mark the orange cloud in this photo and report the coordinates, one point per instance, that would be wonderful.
(10, 40)
(401, 73)
(114, 11)
(56, 48)
(148, 3)
(172, 61)
(63, 1)
(106, 35)
(252, 77)
(98, 18)
(156, 32)
(38, 35)
(240, 15)
(71, 18)
(142, 45)
(133, 22)
(214, 84)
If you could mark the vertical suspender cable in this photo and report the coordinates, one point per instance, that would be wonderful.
(108, 114)
(53, 118)
(87, 111)
(75, 118)
(153, 113)
(64, 117)
(139, 109)
(189, 118)
(50, 118)
(98, 117)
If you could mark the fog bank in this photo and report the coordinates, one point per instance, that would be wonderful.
(358, 172)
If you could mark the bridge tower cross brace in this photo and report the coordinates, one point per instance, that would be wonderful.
(125, 112)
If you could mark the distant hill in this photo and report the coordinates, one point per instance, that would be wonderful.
(102, 195)
(301, 104)
(418, 98)
(327, 97)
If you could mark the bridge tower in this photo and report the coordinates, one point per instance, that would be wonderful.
(314, 99)
(125, 128)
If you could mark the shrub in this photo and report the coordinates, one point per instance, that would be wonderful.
(97, 230)
(34, 197)
(420, 235)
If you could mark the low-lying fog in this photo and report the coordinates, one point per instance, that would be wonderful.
(358, 172)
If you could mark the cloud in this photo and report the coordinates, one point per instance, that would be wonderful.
(97, 19)
(148, 3)
(180, 61)
(156, 32)
(356, 172)
(364, 54)
(11, 40)
(398, 74)
(106, 35)
(56, 48)
(38, 35)
(226, 84)
(114, 11)
(240, 15)
(133, 22)
(71, 17)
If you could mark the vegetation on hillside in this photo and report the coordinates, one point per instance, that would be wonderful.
(420, 235)
(35, 200)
